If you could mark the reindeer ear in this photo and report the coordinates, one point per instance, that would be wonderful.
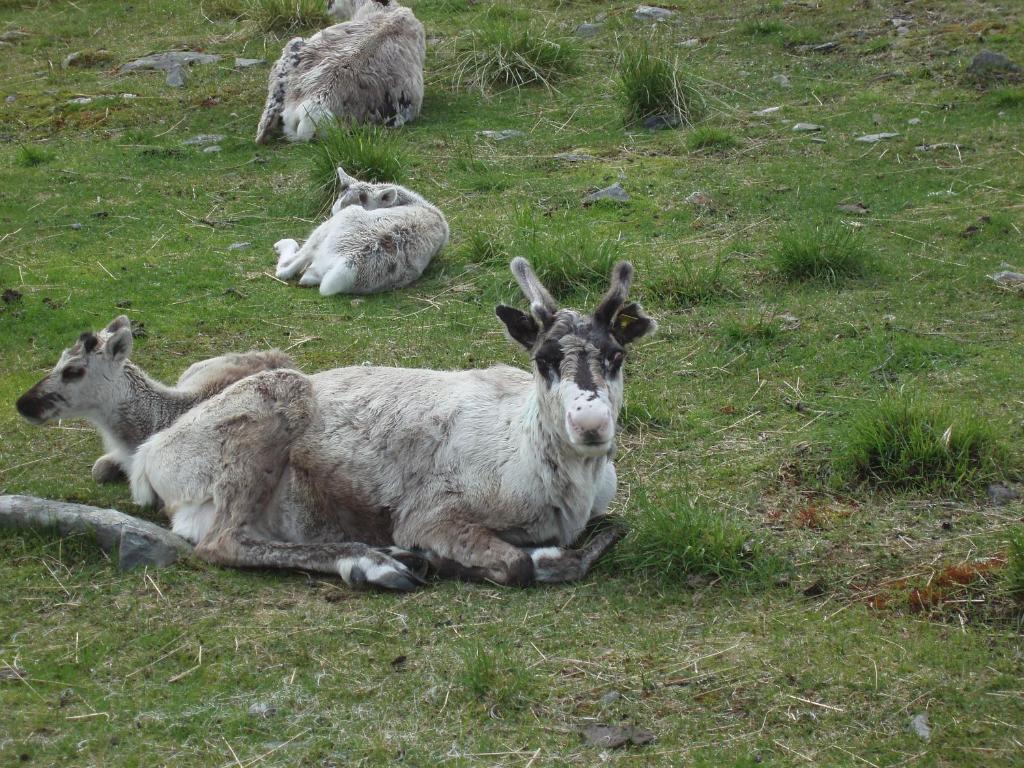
(631, 323)
(344, 178)
(520, 326)
(119, 322)
(388, 198)
(119, 344)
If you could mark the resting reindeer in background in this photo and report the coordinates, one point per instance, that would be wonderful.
(95, 380)
(380, 237)
(488, 474)
(367, 70)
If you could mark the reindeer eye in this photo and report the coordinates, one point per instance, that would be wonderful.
(72, 373)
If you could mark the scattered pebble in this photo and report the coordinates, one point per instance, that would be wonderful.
(211, 149)
(614, 192)
(611, 697)
(11, 99)
(169, 60)
(204, 138)
(901, 31)
(76, 226)
(818, 48)
(614, 736)
(1000, 494)
(262, 709)
(898, 22)
(652, 13)
(781, 80)
(11, 35)
(691, 42)
(699, 198)
(857, 209)
(788, 322)
(239, 246)
(767, 111)
(806, 127)
(129, 96)
(241, 63)
(914, 121)
(503, 135)
(818, 140)
(587, 29)
(919, 725)
(81, 100)
(933, 147)
(574, 157)
(873, 138)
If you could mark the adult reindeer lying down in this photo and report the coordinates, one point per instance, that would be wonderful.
(488, 474)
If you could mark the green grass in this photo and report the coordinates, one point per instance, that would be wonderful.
(761, 579)
(368, 153)
(1013, 576)
(274, 16)
(828, 253)
(501, 56)
(650, 84)
(711, 138)
(901, 444)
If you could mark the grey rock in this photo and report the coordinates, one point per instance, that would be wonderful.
(138, 542)
(241, 63)
(806, 127)
(702, 199)
(652, 13)
(611, 697)
(782, 81)
(129, 96)
(1000, 494)
(989, 65)
(661, 122)
(818, 140)
(203, 139)
(503, 135)
(933, 147)
(262, 709)
(587, 29)
(574, 157)
(857, 209)
(902, 31)
(1008, 279)
(919, 726)
(614, 736)
(914, 121)
(169, 60)
(898, 22)
(177, 77)
(767, 111)
(81, 100)
(818, 48)
(691, 42)
(12, 35)
(76, 226)
(874, 138)
(213, 148)
(11, 99)
(239, 246)
(70, 59)
(614, 192)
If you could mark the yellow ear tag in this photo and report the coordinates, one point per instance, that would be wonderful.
(624, 320)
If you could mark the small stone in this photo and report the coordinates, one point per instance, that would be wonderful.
(788, 322)
(767, 111)
(203, 138)
(691, 42)
(611, 697)
(1008, 279)
(874, 138)
(919, 725)
(614, 192)
(213, 148)
(503, 135)
(241, 63)
(1000, 494)
(12, 35)
(902, 31)
(239, 246)
(176, 77)
(169, 60)
(989, 65)
(76, 226)
(11, 99)
(71, 59)
(661, 122)
(574, 157)
(806, 127)
(129, 96)
(614, 736)
(818, 140)
(898, 22)
(262, 709)
(819, 48)
(587, 29)
(914, 121)
(652, 13)
(781, 80)
(81, 100)
(699, 198)
(857, 209)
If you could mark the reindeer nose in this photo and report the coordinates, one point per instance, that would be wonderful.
(590, 419)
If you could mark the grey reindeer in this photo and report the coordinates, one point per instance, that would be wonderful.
(487, 474)
(365, 70)
(95, 380)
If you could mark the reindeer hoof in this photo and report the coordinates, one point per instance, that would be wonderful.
(378, 570)
(107, 470)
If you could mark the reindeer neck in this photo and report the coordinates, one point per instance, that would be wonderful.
(142, 406)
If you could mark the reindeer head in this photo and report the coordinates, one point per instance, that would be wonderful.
(83, 378)
(351, 191)
(343, 10)
(577, 359)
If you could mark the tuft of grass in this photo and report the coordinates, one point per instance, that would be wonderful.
(505, 56)
(30, 157)
(571, 262)
(1007, 98)
(489, 676)
(676, 537)
(901, 444)
(828, 253)
(688, 284)
(367, 152)
(712, 138)
(484, 247)
(762, 28)
(271, 16)
(763, 328)
(1013, 574)
(650, 85)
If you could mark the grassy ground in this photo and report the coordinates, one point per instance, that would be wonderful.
(872, 600)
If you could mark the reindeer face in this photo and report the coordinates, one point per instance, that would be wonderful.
(363, 193)
(83, 378)
(341, 9)
(578, 359)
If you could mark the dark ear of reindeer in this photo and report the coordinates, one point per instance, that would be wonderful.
(625, 321)
(542, 306)
(520, 326)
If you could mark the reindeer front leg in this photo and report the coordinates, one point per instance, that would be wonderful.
(470, 551)
(554, 564)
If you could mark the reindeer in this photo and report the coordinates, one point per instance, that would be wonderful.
(366, 70)
(95, 380)
(379, 237)
(487, 474)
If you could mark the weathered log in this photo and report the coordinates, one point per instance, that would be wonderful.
(138, 542)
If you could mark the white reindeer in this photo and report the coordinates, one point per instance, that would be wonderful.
(487, 474)
(95, 380)
(379, 237)
(366, 70)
